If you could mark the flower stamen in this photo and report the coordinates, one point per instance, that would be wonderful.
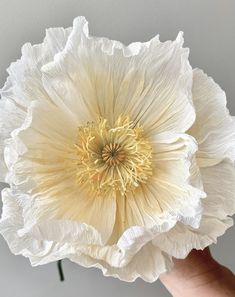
(116, 158)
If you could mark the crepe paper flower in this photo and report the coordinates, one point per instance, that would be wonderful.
(117, 157)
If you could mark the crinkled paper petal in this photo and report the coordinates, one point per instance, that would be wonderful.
(45, 169)
(150, 81)
(147, 264)
(59, 239)
(218, 183)
(11, 222)
(24, 84)
(214, 128)
(176, 182)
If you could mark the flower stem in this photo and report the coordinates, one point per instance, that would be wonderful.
(60, 270)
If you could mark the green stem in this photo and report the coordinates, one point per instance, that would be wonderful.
(60, 269)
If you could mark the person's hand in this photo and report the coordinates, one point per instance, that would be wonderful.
(199, 275)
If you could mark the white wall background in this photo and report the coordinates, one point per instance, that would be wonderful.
(209, 27)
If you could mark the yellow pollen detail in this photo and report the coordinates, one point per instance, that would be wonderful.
(113, 157)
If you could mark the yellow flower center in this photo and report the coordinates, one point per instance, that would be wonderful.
(113, 158)
(113, 154)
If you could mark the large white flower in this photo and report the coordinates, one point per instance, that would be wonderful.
(117, 157)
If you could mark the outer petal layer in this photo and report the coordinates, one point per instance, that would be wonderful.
(180, 240)
(45, 169)
(150, 81)
(171, 194)
(214, 128)
(147, 264)
(59, 239)
(24, 84)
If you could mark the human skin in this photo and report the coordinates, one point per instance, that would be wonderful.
(199, 275)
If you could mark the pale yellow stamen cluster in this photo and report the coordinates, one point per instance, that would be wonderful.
(113, 158)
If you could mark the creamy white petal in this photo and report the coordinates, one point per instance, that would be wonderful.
(129, 244)
(214, 128)
(150, 81)
(38, 251)
(139, 209)
(46, 170)
(79, 74)
(86, 241)
(24, 84)
(45, 209)
(50, 242)
(219, 184)
(171, 195)
(45, 242)
(11, 117)
(64, 231)
(165, 103)
(11, 221)
(181, 239)
(177, 190)
(147, 264)
(61, 234)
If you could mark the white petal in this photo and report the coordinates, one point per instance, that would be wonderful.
(176, 182)
(86, 241)
(64, 231)
(46, 170)
(59, 239)
(148, 264)
(181, 239)
(78, 78)
(69, 202)
(214, 128)
(219, 184)
(11, 221)
(11, 117)
(173, 193)
(24, 84)
(130, 243)
(46, 242)
(150, 81)
(165, 103)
